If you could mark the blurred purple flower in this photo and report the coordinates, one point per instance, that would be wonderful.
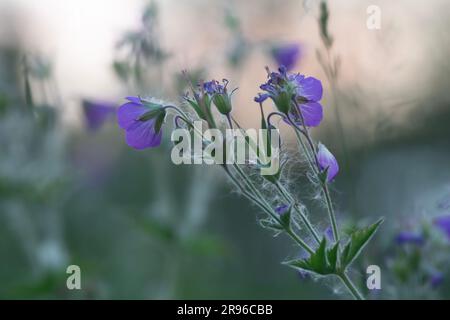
(97, 113)
(443, 223)
(282, 209)
(287, 55)
(284, 88)
(408, 237)
(326, 160)
(436, 279)
(140, 123)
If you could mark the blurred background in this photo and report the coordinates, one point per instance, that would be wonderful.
(139, 227)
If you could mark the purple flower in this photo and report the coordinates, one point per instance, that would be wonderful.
(284, 89)
(97, 112)
(142, 122)
(219, 95)
(287, 55)
(261, 97)
(443, 223)
(282, 209)
(326, 160)
(408, 237)
(309, 92)
(436, 279)
(214, 87)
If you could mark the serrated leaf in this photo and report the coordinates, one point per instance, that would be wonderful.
(333, 255)
(323, 261)
(358, 240)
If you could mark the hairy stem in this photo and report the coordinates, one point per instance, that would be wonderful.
(253, 194)
(350, 286)
(316, 169)
(287, 197)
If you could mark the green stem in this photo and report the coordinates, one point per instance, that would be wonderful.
(287, 197)
(257, 197)
(270, 211)
(350, 286)
(331, 213)
(262, 203)
(316, 170)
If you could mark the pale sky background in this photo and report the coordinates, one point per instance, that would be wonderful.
(79, 36)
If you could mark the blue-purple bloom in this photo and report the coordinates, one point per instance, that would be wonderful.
(282, 209)
(436, 279)
(141, 122)
(97, 113)
(409, 237)
(286, 88)
(219, 95)
(287, 55)
(326, 160)
(443, 223)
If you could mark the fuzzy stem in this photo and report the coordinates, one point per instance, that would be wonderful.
(316, 170)
(257, 197)
(304, 218)
(350, 286)
(331, 213)
(262, 203)
(303, 146)
(270, 211)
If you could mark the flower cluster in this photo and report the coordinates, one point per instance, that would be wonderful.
(297, 99)
(295, 95)
(219, 95)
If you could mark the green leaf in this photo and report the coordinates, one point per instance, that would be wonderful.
(333, 255)
(323, 176)
(156, 229)
(285, 218)
(323, 262)
(206, 245)
(152, 105)
(122, 70)
(358, 240)
(275, 177)
(160, 121)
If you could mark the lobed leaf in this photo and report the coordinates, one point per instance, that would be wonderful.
(323, 261)
(358, 240)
